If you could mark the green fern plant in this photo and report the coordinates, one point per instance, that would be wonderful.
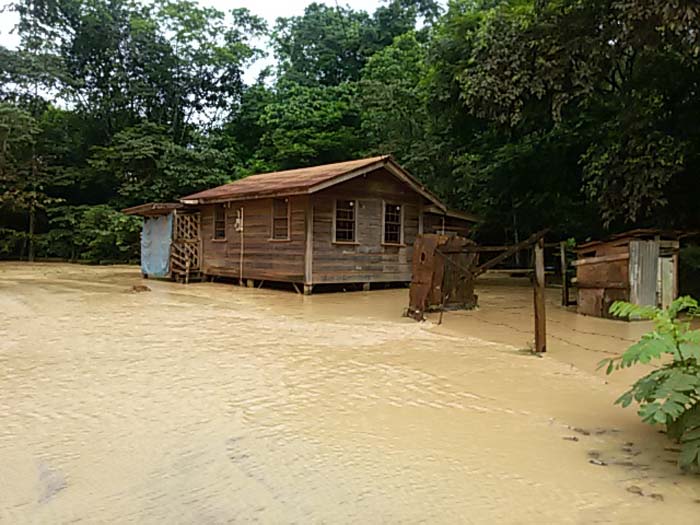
(670, 394)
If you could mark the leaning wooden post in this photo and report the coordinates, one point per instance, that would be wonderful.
(564, 280)
(539, 284)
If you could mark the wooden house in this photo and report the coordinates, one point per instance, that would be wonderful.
(639, 266)
(348, 222)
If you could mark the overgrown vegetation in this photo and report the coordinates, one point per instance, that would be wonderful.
(531, 113)
(669, 394)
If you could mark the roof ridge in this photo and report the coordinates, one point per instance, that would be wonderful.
(317, 166)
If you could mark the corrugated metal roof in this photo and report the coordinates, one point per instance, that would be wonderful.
(153, 208)
(638, 233)
(286, 182)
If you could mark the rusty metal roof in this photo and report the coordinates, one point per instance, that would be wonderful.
(153, 208)
(302, 180)
(638, 233)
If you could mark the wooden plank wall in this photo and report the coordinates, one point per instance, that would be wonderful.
(602, 280)
(369, 260)
(262, 258)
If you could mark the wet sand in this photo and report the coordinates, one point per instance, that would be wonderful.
(212, 403)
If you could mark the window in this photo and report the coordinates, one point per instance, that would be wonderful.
(219, 222)
(393, 231)
(345, 221)
(280, 219)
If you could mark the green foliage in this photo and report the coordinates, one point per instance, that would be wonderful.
(689, 270)
(94, 234)
(311, 125)
(392, 98)
(330, 45)
(528, 113)
(605, 124)
(148, 166)
(670, 394)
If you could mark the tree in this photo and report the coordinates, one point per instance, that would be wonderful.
(328, 45)
(308, 125)
(149, 166)
(23, 175)
(594, 69)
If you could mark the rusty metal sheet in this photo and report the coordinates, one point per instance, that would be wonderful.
(436, 279)
(288, 181)
(422, 274)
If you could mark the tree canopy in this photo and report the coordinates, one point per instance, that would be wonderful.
(577, 115)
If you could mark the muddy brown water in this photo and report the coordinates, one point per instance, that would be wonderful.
(211, 403)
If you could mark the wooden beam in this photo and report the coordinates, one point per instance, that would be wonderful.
(539, 285)
(608, 285)
(535, 237)
(473, 273)
(309, 240)
(421, 217)
(601, 259)
(564, 278)
(675, 274)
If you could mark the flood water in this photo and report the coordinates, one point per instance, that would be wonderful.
(211, 403)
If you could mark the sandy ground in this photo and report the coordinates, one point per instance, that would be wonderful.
(211, 403)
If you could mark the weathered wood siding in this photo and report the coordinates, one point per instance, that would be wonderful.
(368, 259)
(602, 280)
(263, 258)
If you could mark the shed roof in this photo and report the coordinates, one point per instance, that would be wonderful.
(305, 181)
(638, 233)
(153, 208)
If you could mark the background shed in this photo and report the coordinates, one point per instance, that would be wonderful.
(170, 242)
(639, 266)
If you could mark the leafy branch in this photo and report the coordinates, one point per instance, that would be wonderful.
(670, 394)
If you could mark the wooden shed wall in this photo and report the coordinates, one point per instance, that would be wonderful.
(368, 259)
(262, 258)
(601, 281)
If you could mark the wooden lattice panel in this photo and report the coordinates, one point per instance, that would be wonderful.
(186, 242)
(187, 227)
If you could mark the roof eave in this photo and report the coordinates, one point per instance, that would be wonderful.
(455, 214)
(152, 208)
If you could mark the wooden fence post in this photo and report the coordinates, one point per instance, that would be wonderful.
(564, 279)
(539, 284)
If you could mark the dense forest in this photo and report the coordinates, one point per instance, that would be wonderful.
(578, 115)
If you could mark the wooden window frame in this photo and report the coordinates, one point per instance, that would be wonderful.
(334, 239)
(402, 223)
(272, 220)
(214, 221)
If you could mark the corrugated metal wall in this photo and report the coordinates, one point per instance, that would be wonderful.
(644, 271)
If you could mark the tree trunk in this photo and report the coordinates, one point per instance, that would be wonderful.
(32, 206)
(516, 240)
(30, 240)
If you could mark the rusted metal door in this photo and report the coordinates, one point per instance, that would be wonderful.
(424, 267)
